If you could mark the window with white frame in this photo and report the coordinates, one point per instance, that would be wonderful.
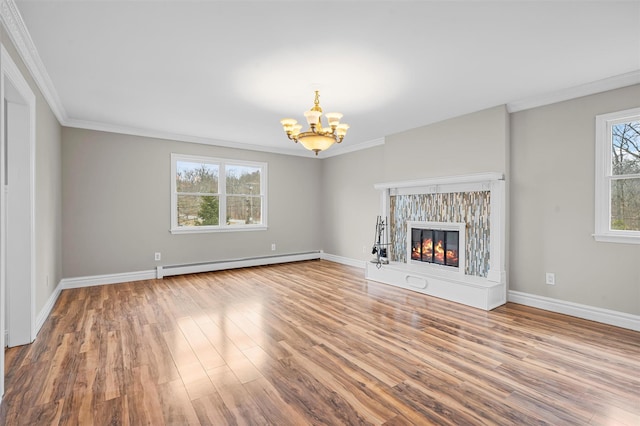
(216, 194)
(617, 209)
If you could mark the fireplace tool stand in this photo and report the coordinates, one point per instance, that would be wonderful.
(380, 244)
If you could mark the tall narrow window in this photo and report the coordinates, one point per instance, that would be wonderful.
(214, 194)
(617, 192)
(244, 194)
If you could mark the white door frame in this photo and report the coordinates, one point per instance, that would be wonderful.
(17, 206)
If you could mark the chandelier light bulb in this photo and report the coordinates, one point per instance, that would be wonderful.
(313, 117)
(333, 118)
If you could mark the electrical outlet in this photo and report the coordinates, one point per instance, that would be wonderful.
(273, 246)
(551, 278)
(158, 256)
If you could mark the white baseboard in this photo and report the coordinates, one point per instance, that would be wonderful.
(165, 271)
(46, 309)
(93, 280)
(605, 316)
(343, 260)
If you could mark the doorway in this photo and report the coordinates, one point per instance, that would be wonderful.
(17, 209)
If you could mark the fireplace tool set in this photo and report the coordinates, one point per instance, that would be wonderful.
(380, 243)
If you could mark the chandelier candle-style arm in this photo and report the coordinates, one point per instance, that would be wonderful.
(316, 138)
(289, 124)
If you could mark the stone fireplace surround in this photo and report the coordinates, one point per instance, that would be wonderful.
(485, 286)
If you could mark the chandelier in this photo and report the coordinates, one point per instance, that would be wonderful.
(317, 138)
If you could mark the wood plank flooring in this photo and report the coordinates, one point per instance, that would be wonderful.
(313, 343)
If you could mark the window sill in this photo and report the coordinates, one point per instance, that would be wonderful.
(203, 230)
(618, 238)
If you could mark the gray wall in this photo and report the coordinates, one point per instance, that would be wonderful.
(350, 203)
(116, 205)
(48, 188)
(472, 143)
(552, 207)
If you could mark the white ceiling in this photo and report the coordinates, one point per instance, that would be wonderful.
(230, 70)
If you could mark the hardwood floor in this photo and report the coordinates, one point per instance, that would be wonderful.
(313, 343)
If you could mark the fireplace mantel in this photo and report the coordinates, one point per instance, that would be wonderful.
(484, 292)
(443, 180)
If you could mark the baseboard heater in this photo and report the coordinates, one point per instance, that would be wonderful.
(194, 268)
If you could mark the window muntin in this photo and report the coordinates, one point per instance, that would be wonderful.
(215, 194)
(618, 177)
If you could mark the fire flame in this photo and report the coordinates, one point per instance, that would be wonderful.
(452, 257)
(439, 252)
(415, 253)
(427, 249)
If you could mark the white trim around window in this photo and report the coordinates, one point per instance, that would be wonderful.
(224, 223)
(604, 177)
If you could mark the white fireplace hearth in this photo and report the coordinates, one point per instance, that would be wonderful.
(472, 205)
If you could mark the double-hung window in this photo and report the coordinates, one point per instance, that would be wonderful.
(617, 210)
(216, 194)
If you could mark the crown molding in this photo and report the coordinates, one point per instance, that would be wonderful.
(159, 134)
(298, 151)
(611, 83)
(345, 149)
(17, 30)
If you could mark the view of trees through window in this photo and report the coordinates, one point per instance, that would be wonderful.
(199, 194)
(243, 195)
(625, 182)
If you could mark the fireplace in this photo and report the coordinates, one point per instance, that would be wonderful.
(440, 244)
(472, 205)
(435, 246)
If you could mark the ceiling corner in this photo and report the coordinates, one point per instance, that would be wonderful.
(17, 30)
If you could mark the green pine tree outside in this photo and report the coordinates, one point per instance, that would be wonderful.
(209, 210)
